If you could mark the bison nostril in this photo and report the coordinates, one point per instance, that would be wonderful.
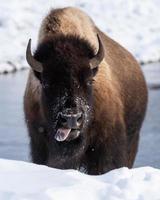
(63, 120)
(79, 120)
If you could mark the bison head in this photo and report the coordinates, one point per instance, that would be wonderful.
(65, 67)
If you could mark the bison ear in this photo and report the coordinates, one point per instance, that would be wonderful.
(97, 59)
(36, 65)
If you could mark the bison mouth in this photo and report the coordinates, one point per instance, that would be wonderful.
(66, 134)
(69, 125)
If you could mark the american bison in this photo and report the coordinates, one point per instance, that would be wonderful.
(85, 98)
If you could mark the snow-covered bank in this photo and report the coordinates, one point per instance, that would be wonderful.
(135, 24)
(20, 180)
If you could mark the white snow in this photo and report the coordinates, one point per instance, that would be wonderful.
(26, 181)
(135, 24)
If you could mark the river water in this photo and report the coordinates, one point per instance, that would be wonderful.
(14, 142)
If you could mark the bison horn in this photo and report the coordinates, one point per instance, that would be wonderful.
(96, 60)
(37, 66)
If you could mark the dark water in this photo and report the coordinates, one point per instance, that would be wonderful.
(149, 148)
(14, 143)
(13, 134)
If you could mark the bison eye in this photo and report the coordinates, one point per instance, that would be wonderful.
(89, 83)
(94, 71)
(45, 85)
(76, 84)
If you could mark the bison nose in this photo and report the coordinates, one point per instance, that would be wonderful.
(72, 121)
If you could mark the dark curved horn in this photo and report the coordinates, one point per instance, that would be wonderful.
(96, 60)
(37, 66)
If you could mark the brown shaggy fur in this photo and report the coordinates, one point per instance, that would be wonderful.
(119, 91)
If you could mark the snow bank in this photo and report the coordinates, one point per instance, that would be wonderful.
(135, 24)
(26, 181)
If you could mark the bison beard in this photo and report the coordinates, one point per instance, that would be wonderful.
(85, 98)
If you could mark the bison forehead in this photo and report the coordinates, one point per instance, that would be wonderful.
(71, 77)
(64, 45)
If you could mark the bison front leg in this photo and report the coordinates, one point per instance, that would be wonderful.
(107, 154)
(38, 143)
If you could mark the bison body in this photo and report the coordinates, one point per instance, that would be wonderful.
(85, 98)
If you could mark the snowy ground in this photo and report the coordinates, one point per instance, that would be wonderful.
(135, 24)
(26, 181)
